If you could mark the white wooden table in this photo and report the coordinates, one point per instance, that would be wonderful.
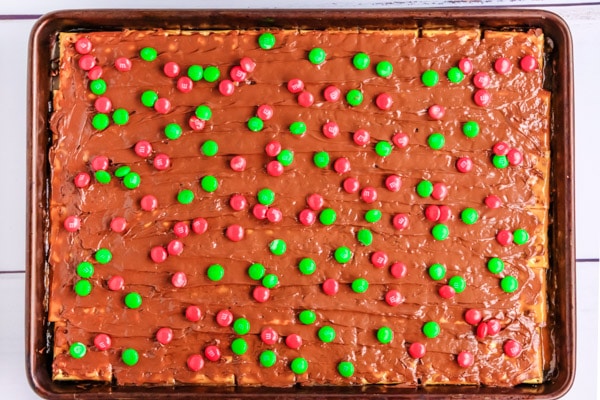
(16, 20)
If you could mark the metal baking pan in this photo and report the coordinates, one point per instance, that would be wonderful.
(561, 276)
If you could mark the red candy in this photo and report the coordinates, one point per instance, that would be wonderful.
(464, 164)
(143, 148)
(199, 225)
(400, 139)
(482, 330)
(440, 191)
(331, 130)
(400, 221)
(72, 223)
(175, 247)
(361, 137)
(502, 65)
(164, 335)
(330, 286)
(394, 298)
(123, 64)
(307, 217)
(212, 353)
(99, 163)
(247, 64)
(83, 45)
(341, 165)
(103, 104)
(235, 233)
(260, 211)
(493, 327)
(274, 168)
(265, 112)
(465, 359)
(436, 111)
(501, 148)
(269, 336)
(315, 201)
(87, 62)
(171, 69)
(482, 80)
(261, 294)
(149, 203)
(195, 362)
(295, 85)
(118, 224)
(446, 291)
(445, 213)
(351, 185)
(238, 202)
(432, 213)
(238, 74)
(274, 214)
(398, 270)
(379, 259)
(158, 254)
(416, 350)
(224, 318)
(512, 348)
(384, 101)
(528, 63)
(102, 342)
(95, 73)
(196, 123)
(293, 341)
(393, 183)
(465, 65)
(514, 157)
(306, 99)
(185, 84)
(332, 93)
(482, 98)
(368, 194)
(116, 283)
(226, 87)
(193, 313)
(162, 105)
(504, 237)
(493, 201)
(473, 316)
(238, 163)
(273, 148)
(181, 229)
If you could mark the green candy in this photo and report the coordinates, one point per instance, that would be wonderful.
(470, 129)
(437, 272)
(383, 148)
(203, 112)
(458, 283)
(215, 272)
(148, 54)
(317, 56)
(102, 176)
(385, 334)
(440, 232)
(354, 97)
(100, 121)
(455, 75)
(361, 61)
(384, 69)
(133, 300)
(83, 287)
(211, 74)
(195, 72)
(321, 159)
(346, 369)
(122, 171)
(85, 269)
(120, 116)
(285, 157)
(509, 284)
(77, 350)
(298, 128)
(326, 334)
(256, 271)
(520, 236)
(103, 256)
(132, 180)
(241, 326)
(431, 329)
(255, 124)
(430, 78)
(365, 237)
(436, 141)
(268, 358)
(299, 365)
(342, 254)
(327, 216)
(307, 317)
(307, 266)
(500, 162)
(239, 346)
(209, 148)
(149, 97)
(270, 281)
(425, 188)
(209, 183)
(265, 196)
(495, 265)
(360, 285)
(130, 357)
(98, 86)
(185, 196)
(266, 41)
(372, 216)
(469, 216)
(278, 247)
(173, 131)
